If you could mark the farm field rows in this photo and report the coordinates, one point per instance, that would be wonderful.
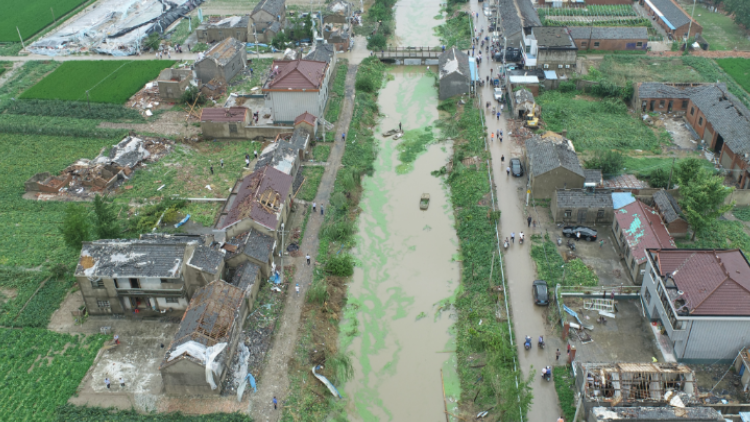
(107, 81)
(31, 16)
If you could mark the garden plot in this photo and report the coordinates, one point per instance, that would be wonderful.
(31, 16)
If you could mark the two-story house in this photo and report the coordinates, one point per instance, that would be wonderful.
(296, 87)
(701, 297)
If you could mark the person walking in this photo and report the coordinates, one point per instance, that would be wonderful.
(343, 136)
(314, 206)
(117, 339)
(321, 209)
(507, 171)
(221, 162)
(601, 243)
(256, 154)
(560, 419)
(399, 127)
(502, 158)
(308, 259)
(212, 169)
(247, 162)
(122, 383)
(492, 136)
(106, 382)
(557, 354)
(275, 403)
(528, 220)
(297, 288)
(512, 237)
(498, 116)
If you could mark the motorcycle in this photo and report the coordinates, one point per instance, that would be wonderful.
(547, 374)
(520, 239)
(527, 343)
(505, 244)
(541, 342)
(571, 245)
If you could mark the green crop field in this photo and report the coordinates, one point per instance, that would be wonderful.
(738, 69)
(107, 81)
(31, 16)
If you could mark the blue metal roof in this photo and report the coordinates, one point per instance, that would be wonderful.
(473, 69)
(667, 22)
(621, 199)
(550, 74)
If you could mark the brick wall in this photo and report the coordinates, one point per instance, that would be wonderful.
(583, 44)
(662, 104)
(679, 32)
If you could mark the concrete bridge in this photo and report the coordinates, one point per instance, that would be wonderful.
(410, 56)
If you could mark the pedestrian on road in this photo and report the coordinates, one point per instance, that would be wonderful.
(256, 154)
(251, 72)
(275, 402)
(568, 348)
(601, 243)
(557, 354)
(578, 235)
(169, 55)
(106, 382)
(117, 339)
(321, 209)
(189, 47)
(399, 127)
(247, 162)
(211, 168)
(122, 383)
(502, 158)
(297, 288)
(343, 136)
(512, 237)
(507, 171)
(221, 162)
(528, 220)
(561, 419)
(308, 259)
(498, 116)
(492, 136)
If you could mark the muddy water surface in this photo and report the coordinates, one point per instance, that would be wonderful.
(415, 20)
(406, 273)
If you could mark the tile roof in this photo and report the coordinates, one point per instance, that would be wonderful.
(266, 183)
(207, 259)
(454, 61)
(229, 22)
(661, 90)
(245, 275)
(529, 15)
(667, 205)
(609, 32)
(223, 52)
(297, 75)
(254, 244)
(728, 116)
(553, 37)
(280, 155)
(643, 229)
(272, 7)
(126, 258)
(592, 176)
(551, 151)
(578, 198)
(511, 22)
(219, 114)
(322, 53)
(715, 282)
(674, 14)
(307, 118)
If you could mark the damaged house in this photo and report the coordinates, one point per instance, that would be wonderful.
(198, 358)
(252, 247)
(701, 298)
(218, 122)
(259, 201)
(268, 14)
(222, 62)
(218, 28)
(288, 150)
(455, 75)
(615, 385)
(152, 274)
(582, 206)
(174, 82)
(552, 164)
(671, 213)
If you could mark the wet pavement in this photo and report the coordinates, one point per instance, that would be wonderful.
(520, 271)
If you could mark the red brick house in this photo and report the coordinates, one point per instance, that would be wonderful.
(673, 18)
(609, 37)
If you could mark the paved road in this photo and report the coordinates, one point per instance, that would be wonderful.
(519, 267)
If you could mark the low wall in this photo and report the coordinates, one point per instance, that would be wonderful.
(740, 196)
(221, 130)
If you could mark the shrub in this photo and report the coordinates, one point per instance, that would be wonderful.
(340, 265)
(610, 162)
(567, 86)
(318, 291)
(75, 227)
(376, 42)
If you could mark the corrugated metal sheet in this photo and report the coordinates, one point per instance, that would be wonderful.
(714, 340)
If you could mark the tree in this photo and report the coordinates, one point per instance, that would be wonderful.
(153, 41)
(191, 94)
(610, 163)
(280, 40)
(76, 228)
(688, 171)
(741, 11)
(703, 196)
(106, 225)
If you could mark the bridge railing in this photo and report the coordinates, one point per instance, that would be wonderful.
(409, 52)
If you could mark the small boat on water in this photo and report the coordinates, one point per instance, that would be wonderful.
(424, 202)
(398, 135)
(390, 133)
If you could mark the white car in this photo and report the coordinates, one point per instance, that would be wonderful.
(498, 94)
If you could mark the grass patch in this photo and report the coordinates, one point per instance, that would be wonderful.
(712, 73)
(321, 152)
(565, 387)
(75, 110)
(455, 32)
(738, 69)
(183, 30)
(337, 93)
(24, 78)
(718, 29)
(31, 16)
(260, 70)
(621, 69)
(313, 176)
(741, 213)
(551, 268)
(69, 412)
(645, 166)
(721, 234)
(595, 125)
(106, 81)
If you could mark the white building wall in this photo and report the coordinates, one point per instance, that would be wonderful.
(286, 106)
(181, 305)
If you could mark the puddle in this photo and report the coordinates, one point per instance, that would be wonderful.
(401, 341)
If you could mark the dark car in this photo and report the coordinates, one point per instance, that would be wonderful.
(516, 168)
(540, 292)
(586, 233)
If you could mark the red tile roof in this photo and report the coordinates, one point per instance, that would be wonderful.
(218, 114)
(715, 282)
(297, 75)
(305, 117)
(247, 203)
(643, 229)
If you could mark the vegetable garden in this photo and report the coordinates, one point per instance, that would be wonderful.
(31, 16)
(105, 81)
(596, 15)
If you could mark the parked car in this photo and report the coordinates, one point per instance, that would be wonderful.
(586, 232)
(498, 94)
(516, 168)
(540, 292)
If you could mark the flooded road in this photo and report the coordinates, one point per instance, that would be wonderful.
(406, 272)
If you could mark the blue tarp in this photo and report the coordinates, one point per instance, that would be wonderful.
(473, 69)
(621, 199)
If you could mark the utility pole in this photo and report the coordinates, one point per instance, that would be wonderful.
(53, 15)
(691, 24)
(88, 100)
(19, 36)
(281, 252)
(669, 183)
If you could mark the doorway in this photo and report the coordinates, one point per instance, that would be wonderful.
(581, 216)
(719, 143)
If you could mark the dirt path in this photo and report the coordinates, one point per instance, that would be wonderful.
(275, 375)
(169, 123)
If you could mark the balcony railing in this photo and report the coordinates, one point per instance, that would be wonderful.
(152, 292)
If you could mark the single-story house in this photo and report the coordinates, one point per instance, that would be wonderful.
(268, 12)
(218, 28)
(638, 227)
(549, 47)
(173, 83)
(199, 357)
(322, 53)
(254, 247)
(670, 213)
(666, 97)
(218, 122)
(296, 87)
(672, 17)
(454, 74)
(552, 164)
(223, 61)
(338, 35)
(582, 206)
(610, 37)
(593, 177)
(701, 297)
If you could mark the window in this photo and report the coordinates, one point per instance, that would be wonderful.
(568, 213)
(97, 284)
(647, 296)
(661, 103)
(172, 300)
(232, 128)
(684, 103)
(692, 110)
(546, 66)
(596, 44)
(102, 303)
(700, 121)
(600, 214)
(584, 43)
(165, 280)
(134, 283)
(639, 44)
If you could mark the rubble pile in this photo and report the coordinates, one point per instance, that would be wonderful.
(146, 99)
(84, 178)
